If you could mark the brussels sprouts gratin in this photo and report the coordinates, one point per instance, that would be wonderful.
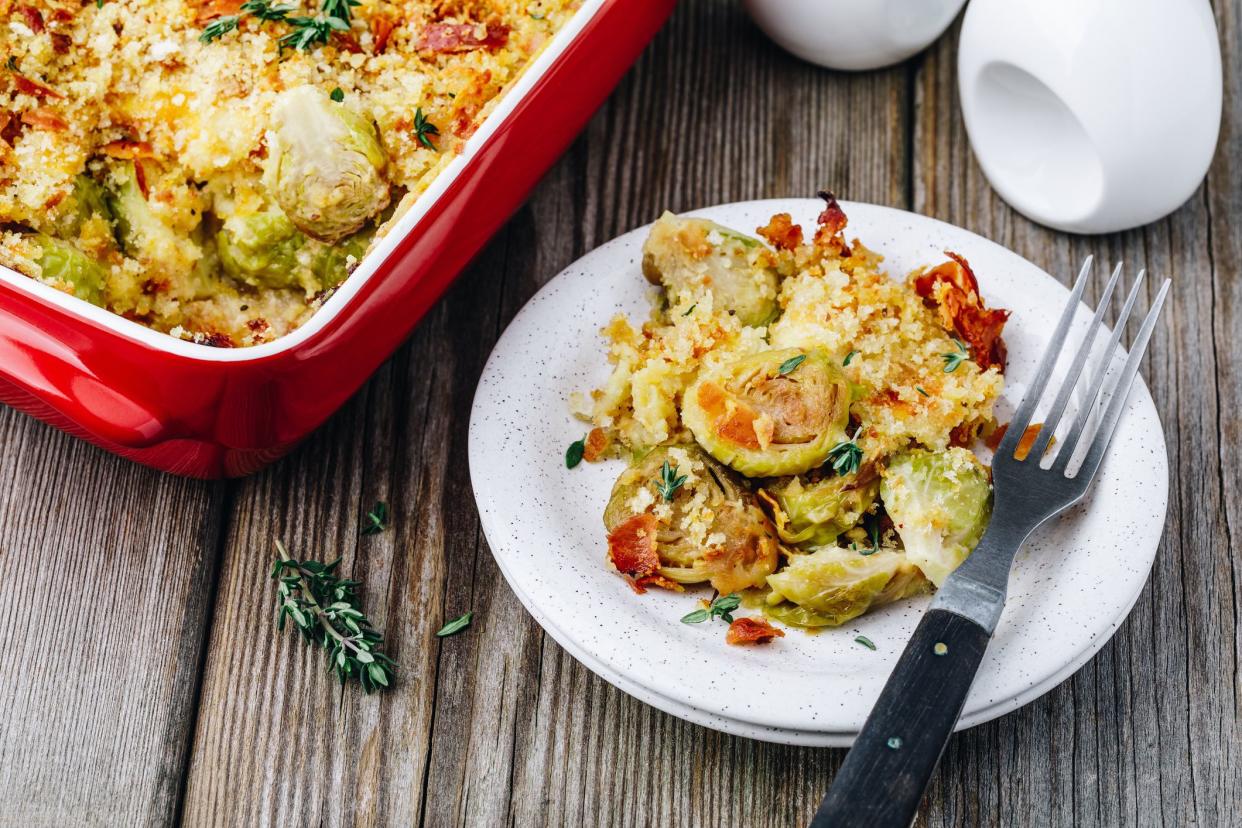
(214, 169)
(797, 425)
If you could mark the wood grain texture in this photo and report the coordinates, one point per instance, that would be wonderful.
(103, 609)
(188, 708)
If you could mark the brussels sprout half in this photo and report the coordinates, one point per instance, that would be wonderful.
(772, 414)
(62, 263)
(832, 586)
(813, 514)
(138, 229)
(696, 255)
(741, 547)
(940, 502)
(325, 165)
(261, 249)
(88, 200)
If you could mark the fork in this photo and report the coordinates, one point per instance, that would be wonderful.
(887, 770)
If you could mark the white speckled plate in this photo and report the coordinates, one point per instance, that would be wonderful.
(1072, 584)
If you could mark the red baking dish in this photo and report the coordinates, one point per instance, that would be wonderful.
(207, 412)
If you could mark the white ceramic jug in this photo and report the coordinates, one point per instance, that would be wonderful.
(853, 34)
(1091, 115)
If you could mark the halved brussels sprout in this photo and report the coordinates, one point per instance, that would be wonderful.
(139, 230)
(325, 165)
(710, 530)
(833, 585)
(62, 263)
(814, 513)
(87, 201)
(695, 254)
(261, 249)
(940, 502)
(332, 264)
(771, 414)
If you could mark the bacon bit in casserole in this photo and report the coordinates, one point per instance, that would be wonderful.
(381, 29)
(61, 43)
(140, 178)
(781, 232)
(33, 88)
(44, 118)
(831, 224)
(218, 340)
(952, 288)
(128, 150)
(212, 9)
(597, 442)
(752, 631)
(1023, 448)
(441, 38)
(632, 550)
(33, 18)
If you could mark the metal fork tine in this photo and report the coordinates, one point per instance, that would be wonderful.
(1022, 418)
(1071, 379)
(1108, 425)
(1082, 416)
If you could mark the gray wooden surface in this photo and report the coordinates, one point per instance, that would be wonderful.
(142, 683)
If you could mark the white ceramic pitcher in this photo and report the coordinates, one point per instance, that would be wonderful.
(1091, 115)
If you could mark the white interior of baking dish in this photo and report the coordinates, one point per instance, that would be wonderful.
(366, 270)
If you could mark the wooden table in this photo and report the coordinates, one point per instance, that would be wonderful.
(141, 680)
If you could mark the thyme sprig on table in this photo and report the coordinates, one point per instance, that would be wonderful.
(326, 610)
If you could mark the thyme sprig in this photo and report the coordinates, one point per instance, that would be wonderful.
(424, 129)
(305, 32)
(722, 607)
(846, 456)
(378, 519)
(955, 358)
(326, 610)
(669, 481)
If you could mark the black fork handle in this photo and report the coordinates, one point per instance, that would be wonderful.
(887, 770)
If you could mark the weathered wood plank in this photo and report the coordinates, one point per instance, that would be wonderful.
(106, 574)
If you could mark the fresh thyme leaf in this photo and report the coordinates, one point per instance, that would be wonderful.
(722, 607)
(337, 95)
(309, 32)
(327, 611)
(424, 128)
(846, 457)
(455, 626)
(790, 364)
(921, 391)
(848, 357)
(669, 481)
(379, 519)
(955, 358)
(866, 642)
(690, 310)
(573, 454)
(266, 10)
(339, 8)
(219, 27)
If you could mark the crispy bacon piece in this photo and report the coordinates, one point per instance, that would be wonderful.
(140, 178)
(597, 442)
(61, 43)
(33, 88)
(211, 9)
(1027, 440)
(632, 550)
(33, 18)
(43, 118)
(218, 340)
(381, 29)
(443, 38)
(128, 150)
(781, 232)
(832, 223)
(752, 631)
(952, 289)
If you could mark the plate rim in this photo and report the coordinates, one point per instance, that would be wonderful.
(1139, 395)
